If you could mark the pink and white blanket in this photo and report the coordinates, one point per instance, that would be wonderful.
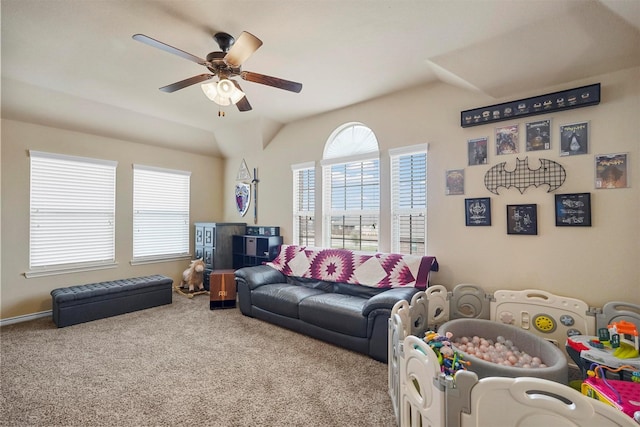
(379, 270)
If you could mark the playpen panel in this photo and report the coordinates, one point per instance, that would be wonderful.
(438, 306)
(396, 338)
(551, 317)
(418, 314)
(469, 302)
(534, 402)
(616, 311)
(422, 400)
(402, 309)
(406, 319)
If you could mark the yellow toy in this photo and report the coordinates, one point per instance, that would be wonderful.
(624, 339)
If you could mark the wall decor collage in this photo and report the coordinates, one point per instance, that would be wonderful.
(540, 136)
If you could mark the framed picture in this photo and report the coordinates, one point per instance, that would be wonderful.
(573, 210)
(507, 140)
(574, 139)
(477, 149)
(538, 135)
(455, 182)
(612, 170)
(522, 219)
(477, 211)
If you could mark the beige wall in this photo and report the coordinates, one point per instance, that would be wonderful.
(596, 264)
(21, 296)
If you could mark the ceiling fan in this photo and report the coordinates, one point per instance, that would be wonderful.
(224, 64)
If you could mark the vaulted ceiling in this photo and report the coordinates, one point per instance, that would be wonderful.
(73, 63)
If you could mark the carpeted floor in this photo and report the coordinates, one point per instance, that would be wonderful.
(183, 364)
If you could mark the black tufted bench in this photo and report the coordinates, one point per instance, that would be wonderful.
(83, 303)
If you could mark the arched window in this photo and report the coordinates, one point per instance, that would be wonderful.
(351, 183)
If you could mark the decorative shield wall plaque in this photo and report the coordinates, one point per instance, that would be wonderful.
(243, 197)
(243, 172)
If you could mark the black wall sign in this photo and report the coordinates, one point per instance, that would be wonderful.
(557, 101)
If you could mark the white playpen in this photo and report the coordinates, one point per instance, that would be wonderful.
(423, 396)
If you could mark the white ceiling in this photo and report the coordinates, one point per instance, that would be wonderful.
(73, 63)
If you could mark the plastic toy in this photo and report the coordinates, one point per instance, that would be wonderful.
(624, 339)
(623, 395)
(450, 360)
(596, 344)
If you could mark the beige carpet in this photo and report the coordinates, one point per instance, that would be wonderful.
(183, 364)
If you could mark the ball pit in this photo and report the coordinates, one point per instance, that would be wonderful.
(542, 360)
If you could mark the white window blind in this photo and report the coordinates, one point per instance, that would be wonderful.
(350, 139)
(160, 213)
(72, 213)
(352, 205)
(351, 184)
(304, 195)
(409, 201)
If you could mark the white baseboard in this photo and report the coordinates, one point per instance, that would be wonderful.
(25, 318)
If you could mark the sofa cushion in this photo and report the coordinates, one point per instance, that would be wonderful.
(336, 312)
(281, 298)
(258, 275)
(358, 291)
(310, 283)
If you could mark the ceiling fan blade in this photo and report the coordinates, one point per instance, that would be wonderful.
(243, 104)
(185, 83)
(174, 50)
(271, 81)
(242, 49)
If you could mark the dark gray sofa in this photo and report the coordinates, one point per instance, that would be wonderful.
(348, 315)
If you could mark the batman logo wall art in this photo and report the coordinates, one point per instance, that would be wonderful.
(522, 177)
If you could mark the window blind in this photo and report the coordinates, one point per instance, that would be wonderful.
(72, 211)
(409, 202)
(352, 204)
(160, 213)
(304, 205)
(351, 189)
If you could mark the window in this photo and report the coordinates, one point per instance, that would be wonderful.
(351, 181)
(72, 213)
(304, 204)
(409, 200)
(160, 213)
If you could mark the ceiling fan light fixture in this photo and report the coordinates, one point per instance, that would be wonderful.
(227, 89)
(209, 90)
(220, 100)
(223, 92)
(236, 96)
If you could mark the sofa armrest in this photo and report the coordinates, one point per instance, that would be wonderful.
(259, 275)
(388, 298)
